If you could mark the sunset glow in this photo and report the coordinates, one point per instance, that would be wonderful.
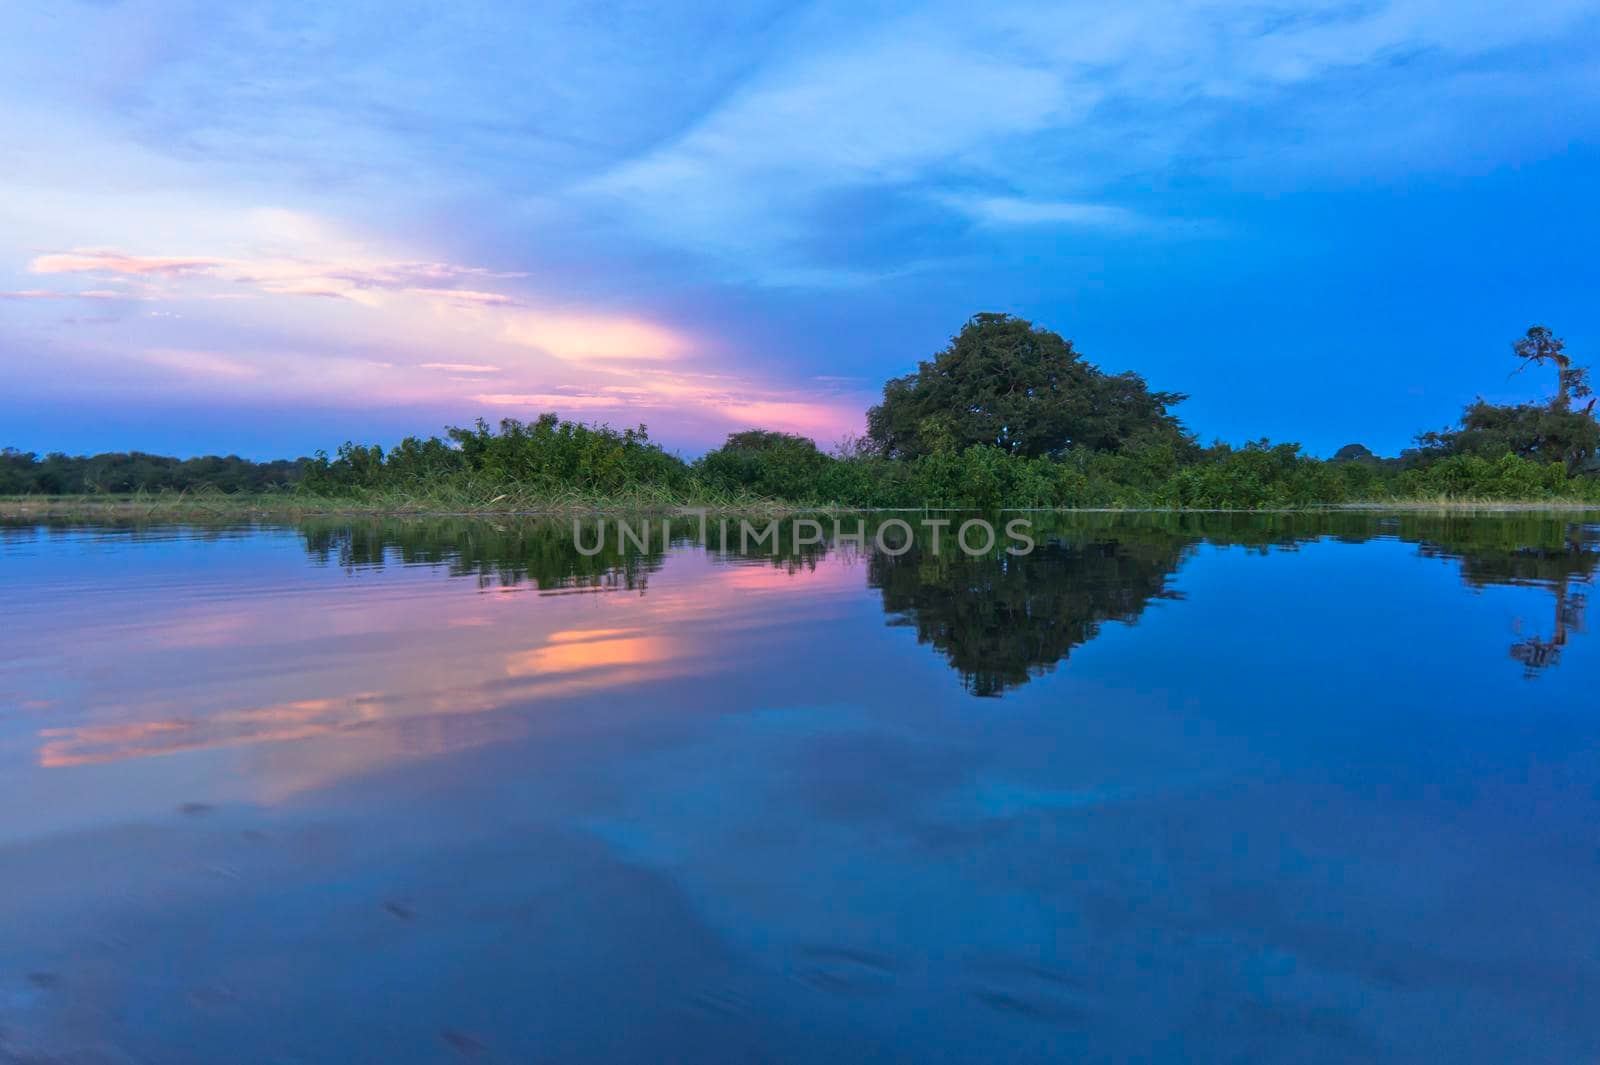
(218, 236)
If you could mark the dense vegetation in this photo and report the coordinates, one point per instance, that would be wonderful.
(24, 473)
(1007, 415)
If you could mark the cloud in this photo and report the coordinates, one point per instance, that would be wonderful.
(717, 402)
(466, 296)
(1061, 105)
(108, 261)
(548, 401)
(461, 367)
(201, 363)
(1014, 211)
(43, 294)
(315, 263)
(594, 337)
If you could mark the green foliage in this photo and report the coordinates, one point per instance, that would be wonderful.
(1355, 453)
(764, 462)
(1466, 476)
(1004, 383)
(1008, 415)
(1260, 474)
(25, 473)
(1542, 432)
(543, 456)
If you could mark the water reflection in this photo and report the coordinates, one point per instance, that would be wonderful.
(1001, 619)
(1254, 788)
(998, 620)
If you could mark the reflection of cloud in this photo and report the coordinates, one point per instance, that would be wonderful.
(572, 635)
(604, 658)
(284, 721)
(573, 652)
(409, 675)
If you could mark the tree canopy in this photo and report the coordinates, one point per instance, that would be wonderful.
(1539, 346)
(1543, 432)
(1005, 383)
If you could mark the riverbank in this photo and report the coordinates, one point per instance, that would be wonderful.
(290, 506)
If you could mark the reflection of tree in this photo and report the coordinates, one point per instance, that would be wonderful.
(1557, 555)
(1535, 653)
(508, 553)
(544, 551)
(1001, 619)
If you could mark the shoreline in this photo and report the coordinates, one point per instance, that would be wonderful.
(289, 508)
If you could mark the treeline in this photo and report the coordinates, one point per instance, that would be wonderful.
(26, 473)
(1007, 415)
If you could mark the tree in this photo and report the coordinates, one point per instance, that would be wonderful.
(766, 462)
(1544, 432)
(1354, 453)
(1539, 431)
(1004, 383)
(1539, 345)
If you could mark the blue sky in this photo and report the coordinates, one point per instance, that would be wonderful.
(267, 227)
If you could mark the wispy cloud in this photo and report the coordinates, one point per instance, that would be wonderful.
(461, 367)
(702, 214)
(45, 294)
(1061, 103)
(592, 337)
(548, 401)
(1015, 211)
(110, 261)
(348, 273)
(202, 363)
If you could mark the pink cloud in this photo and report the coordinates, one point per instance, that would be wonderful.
(577, 361)
(544, 401)
(109, 261)
(589, 337)
(43, 294)
(470, 297)
(204, 363)
(461, 367)
(823, 422)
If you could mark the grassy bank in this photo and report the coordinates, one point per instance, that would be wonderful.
(553, 467)
(396, 503)
(293, 506)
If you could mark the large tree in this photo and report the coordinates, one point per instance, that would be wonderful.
(1544, 432)
(1539, 345)
(1005, 383)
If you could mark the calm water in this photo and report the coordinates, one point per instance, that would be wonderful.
(1213, 789)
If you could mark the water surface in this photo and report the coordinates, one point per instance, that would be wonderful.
(1168, 789)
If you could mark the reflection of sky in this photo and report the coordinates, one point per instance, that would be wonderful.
(397, 670)
(205, 653)
(269, 226)
(1310, 804)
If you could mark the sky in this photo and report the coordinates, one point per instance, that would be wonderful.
(267, 227)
